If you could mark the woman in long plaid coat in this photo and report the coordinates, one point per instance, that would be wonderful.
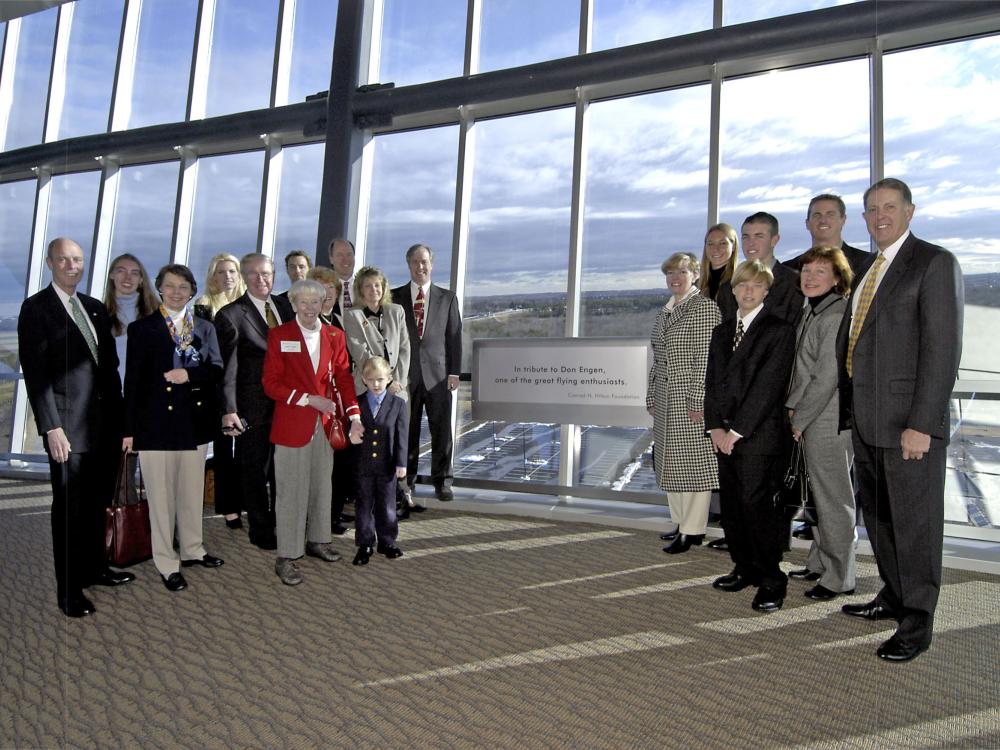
(685, 463)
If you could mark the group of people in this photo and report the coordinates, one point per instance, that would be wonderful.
(158, 372)
(851, 354)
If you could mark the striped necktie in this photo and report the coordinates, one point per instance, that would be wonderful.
(739, 334)
(865, 299)
(418, 312)
(81, 322)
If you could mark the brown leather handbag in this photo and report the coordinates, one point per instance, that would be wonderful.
(126, 521)
(335, 427)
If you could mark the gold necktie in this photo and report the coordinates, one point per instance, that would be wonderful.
(864, 302)
(269, 315)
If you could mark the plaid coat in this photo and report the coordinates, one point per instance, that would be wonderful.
(683, 452)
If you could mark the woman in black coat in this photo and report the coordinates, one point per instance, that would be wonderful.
(173, 368)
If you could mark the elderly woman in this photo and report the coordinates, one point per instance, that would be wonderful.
(749, 363)
(685, 463)
(718, 259)
(813, 405)
(172, 369)
(306, 362)
(329, 279)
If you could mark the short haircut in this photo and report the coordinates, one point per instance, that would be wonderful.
(827, 197)
(836, 258)
(890, 183)
(750, 271)
(762, 217)
(377, 365)
(412, 249)
(249, 258)
(370, 272)
(326, 275)
(177, 269)
(335, 240)
(59, 241)
(298, 254)
(681, 260)
(304, 288)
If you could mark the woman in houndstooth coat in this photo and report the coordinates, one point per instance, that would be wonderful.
(685, 463)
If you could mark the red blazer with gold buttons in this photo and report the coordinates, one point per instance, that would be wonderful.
(289, 374)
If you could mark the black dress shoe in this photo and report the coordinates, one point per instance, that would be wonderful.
(805, 531)
(668, 535)
(821, 593)
(873, 610)
(719, 544)
(731, 582)
(77, 606)
(234, 523)
(683, 543)
(264, 541)
(897, 650)
(804, 575)
(768, 600)
(113, 578)
(417, 509)
(390, 551)
(363, 556)
(339, 529)
(402, 512)
(206, 562)
(174, 582)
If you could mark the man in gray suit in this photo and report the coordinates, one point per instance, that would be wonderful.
(899, 347)
(435, 327)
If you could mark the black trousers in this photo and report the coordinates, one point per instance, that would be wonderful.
(343, 481)
(375, 510)
(227, 490)
(80, 492)
(755, 528)
(437, 402)
(903, 507)
(255, 468)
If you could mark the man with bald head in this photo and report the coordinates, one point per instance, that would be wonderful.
(70, 367)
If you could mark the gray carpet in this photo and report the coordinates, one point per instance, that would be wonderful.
(491, 632)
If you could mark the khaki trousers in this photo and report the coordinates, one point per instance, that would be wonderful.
(689, 510)
(175, 488)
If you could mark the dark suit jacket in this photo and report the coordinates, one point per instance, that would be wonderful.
(745, 389)
(242, 335)
(907, 355)
(784, 300)
(857, 259)
(384, 443)
(66, 388)
(439, 353)
(162, 416)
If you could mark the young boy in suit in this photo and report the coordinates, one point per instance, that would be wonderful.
(381, 462)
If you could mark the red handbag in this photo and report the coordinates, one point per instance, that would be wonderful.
(336, 426)
(126, 521)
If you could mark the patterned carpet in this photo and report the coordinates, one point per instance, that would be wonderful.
(491, 632)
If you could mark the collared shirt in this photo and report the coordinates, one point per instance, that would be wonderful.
(259, 304)
(673, 301)
(375, 401)
(415, 290)
(311, 337)
(889, 254)
(749, 317)
(64, 298)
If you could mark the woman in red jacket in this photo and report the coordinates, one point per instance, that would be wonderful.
(305, 362)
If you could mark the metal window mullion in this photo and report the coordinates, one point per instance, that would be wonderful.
(281, 74)
(717, 13)
(107, 202)
(714, 147)
(371, 42)
(8, 67)
(121, 96)
(586, 26)
(362, 171)
(187, 185)
(274, 157)
(57, 80)
(201, 61)
(877, 115)
(473, 34)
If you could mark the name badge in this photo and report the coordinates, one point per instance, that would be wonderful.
(291, 346)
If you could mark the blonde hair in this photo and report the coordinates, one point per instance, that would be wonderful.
(370, 272)
(730, 266)
(750, 271)
(377, 365)
(214, 298)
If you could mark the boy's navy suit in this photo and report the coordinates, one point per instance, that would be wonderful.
(383, 449)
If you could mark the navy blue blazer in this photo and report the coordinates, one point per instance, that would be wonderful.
(383, 447)
(161, 416)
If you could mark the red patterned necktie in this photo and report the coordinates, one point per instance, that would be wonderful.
(347, 298)
(418, 312)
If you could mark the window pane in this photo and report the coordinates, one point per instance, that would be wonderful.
(741, 11)
(519, 32)
(413, 200)
(298, 204)
(144, 213)
(617, 458)
(226, 208)
(90, 67)
(239, 75)
(790, 135)
(422, 40)
(73, 212)
(31, 79)
(312, 48)
(647, 197)
(617, 24)
(17, 205)
(163, 62)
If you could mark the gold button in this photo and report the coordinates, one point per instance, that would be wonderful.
(374, 455)
(170, 408)
(375, 432)
(169, 389)
(374, 442)
(197, 403)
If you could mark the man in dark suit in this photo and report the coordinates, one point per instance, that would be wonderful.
(341, 253)
(297, 266)
(825, 220)
(899, 347)
(242, 327)
(435, 326)
(70, 369)
(749, 363)
(759, 237)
